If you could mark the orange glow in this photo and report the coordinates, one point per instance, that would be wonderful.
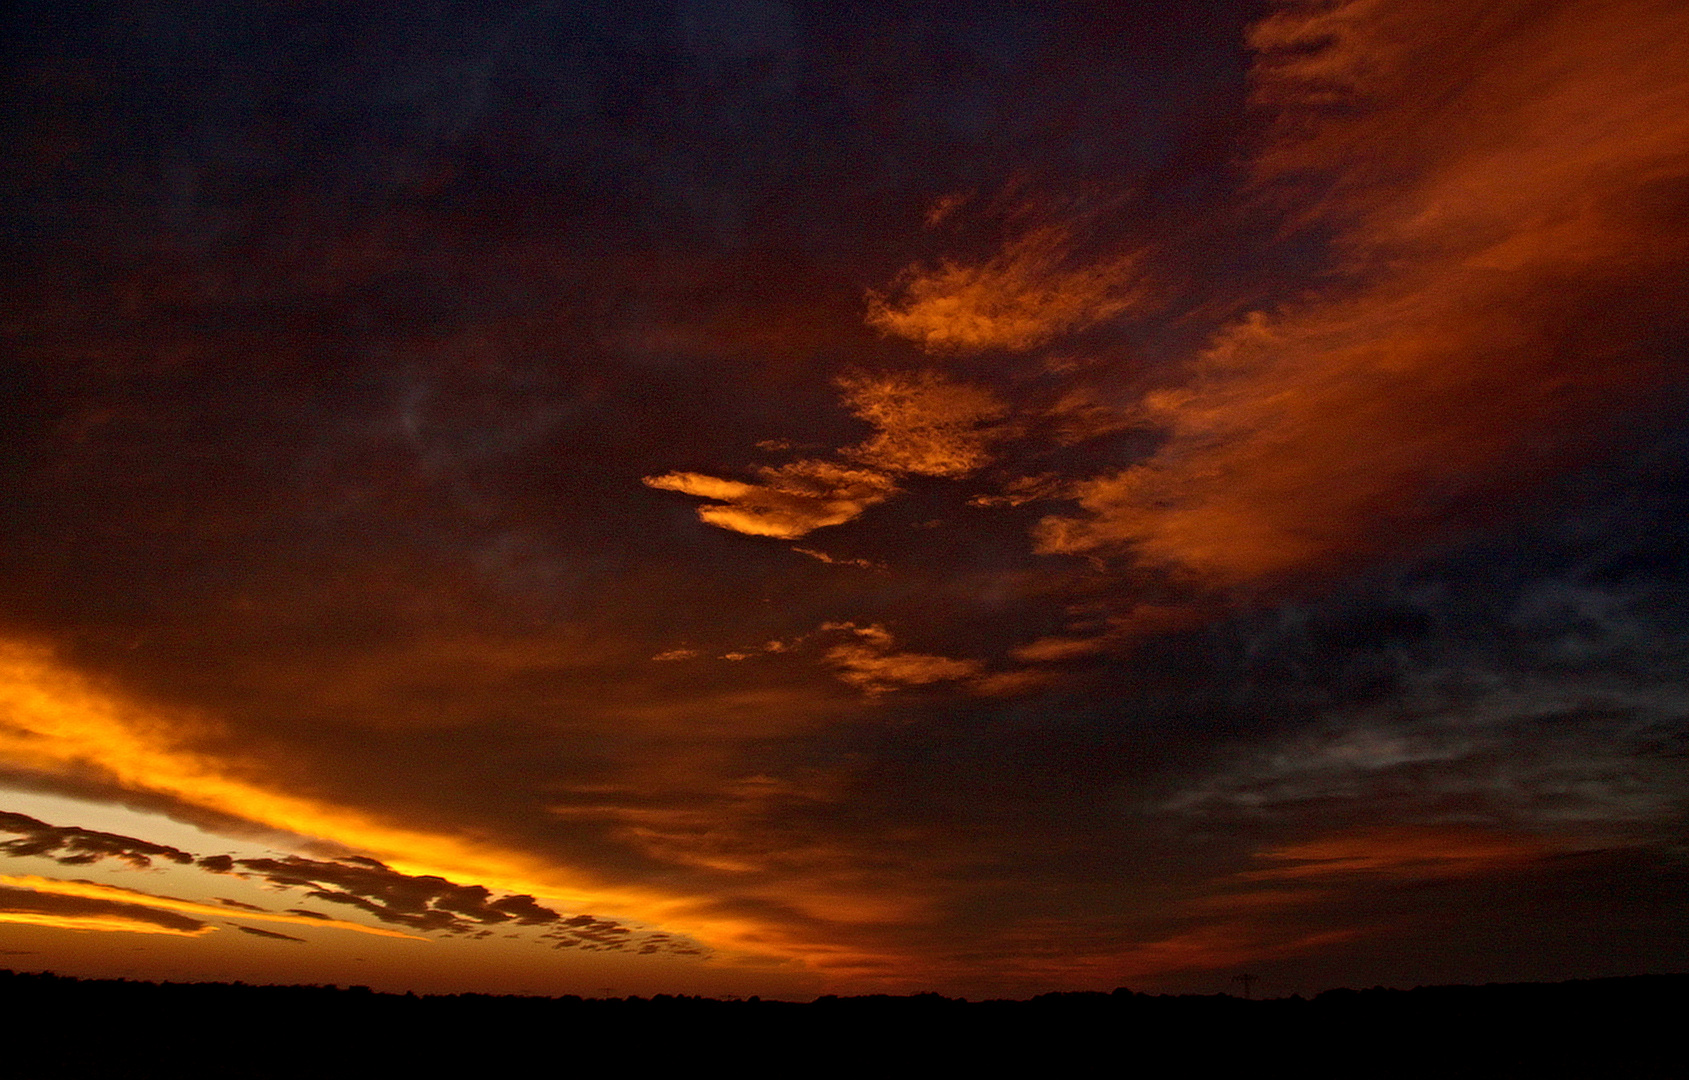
(97, 922)
(170, 903)
(1489, 222)
(56, 720)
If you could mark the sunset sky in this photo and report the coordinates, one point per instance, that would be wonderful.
(747, 497)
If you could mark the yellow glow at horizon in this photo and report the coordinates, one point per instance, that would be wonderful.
(107, 923)
(54, 719)
(92, 891)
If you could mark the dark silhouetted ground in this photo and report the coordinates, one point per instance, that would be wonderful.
(57, 1027)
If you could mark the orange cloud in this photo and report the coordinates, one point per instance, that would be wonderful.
(927, 424)
(870, 664)
(792, 501)
(1510, 240)
(1028, 293)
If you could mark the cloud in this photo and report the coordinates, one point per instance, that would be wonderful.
(868, 662)
(255, 932)
(792, 500)
(433, 904)
(1509, 259)
(92, 913)
(95, 891)
(79, 847)
(1028, 293)
(928, 424)
(833, 560)
(590, 934)
(423, 902)
(238, 904)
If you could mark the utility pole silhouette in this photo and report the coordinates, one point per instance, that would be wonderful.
(1248, 982)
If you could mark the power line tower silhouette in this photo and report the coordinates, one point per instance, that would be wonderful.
(1248, 982)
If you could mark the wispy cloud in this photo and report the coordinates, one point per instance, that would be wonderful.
(69, 912)
(926, 423)
(791, 501)
(137, 897)
(1032, 290)
(871, 665)
(1506, 259)
(80, 847)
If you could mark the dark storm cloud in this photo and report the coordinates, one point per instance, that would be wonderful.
(80, 847)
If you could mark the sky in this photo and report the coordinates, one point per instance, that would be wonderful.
(743, 497)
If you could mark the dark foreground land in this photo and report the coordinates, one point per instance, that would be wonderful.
(59, 1027)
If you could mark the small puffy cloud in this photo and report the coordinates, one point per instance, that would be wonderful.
(791, 501)
(1028, 293)
(928, 424)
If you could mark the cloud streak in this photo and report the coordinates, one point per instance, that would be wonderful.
(1029, 292)
(74, 912)
(80, 847)
(791, 501)
(1507, 252)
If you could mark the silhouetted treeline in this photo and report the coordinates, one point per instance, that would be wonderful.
(57, 1026)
